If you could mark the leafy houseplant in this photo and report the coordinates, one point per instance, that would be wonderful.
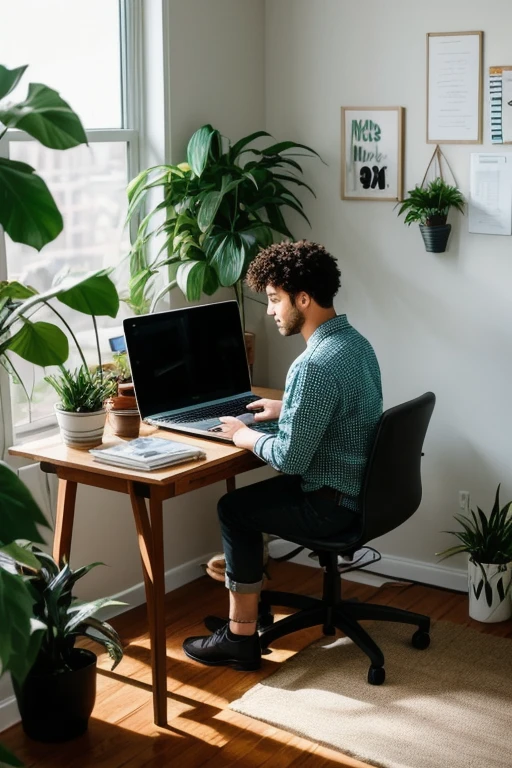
(218, 208)
(81, 391)
(488, 541)
(62, 676)
(28, 212)
(429, 207)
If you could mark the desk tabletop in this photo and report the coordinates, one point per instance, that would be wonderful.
(52, 450)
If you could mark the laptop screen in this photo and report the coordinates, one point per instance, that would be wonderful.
(186, 357)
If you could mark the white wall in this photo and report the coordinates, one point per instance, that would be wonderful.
(438, 322)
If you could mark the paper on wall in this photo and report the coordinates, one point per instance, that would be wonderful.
(490, 195)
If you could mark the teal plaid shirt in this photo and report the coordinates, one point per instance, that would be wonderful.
(331, 406)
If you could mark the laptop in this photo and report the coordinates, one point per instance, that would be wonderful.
(189, 366)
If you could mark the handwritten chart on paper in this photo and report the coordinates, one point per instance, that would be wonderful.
(500, 95)
(490, 194)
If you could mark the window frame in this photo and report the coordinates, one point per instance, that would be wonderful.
(131, 68)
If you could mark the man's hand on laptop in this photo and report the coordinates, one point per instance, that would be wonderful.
(242, 436)
(265, 409)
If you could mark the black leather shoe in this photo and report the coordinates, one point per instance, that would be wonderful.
(218, 650)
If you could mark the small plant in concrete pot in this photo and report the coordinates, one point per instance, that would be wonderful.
(80, 412)
(488, 541)
(58, 694)
(429, 207)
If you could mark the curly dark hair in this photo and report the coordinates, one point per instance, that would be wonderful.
(295, 267)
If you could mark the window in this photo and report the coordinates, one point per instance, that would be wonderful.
(88, 182)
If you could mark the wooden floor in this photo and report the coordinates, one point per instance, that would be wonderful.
(202, 731)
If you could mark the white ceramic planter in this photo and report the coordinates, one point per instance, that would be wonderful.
(489, 599)
(81, 430)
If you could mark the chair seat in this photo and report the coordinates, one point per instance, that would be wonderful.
(345, 542)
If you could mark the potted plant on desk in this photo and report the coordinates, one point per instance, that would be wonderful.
(429, 207)
(488, 541)
(123, 414)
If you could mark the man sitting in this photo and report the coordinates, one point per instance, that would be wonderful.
(326, 423)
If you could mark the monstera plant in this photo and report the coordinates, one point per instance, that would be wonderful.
(217, 209)
(28, 212)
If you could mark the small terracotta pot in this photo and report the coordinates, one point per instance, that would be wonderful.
(124, 424)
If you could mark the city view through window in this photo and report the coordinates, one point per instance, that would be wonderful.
(88, 182)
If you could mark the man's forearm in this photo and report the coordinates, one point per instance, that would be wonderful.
(246, 438)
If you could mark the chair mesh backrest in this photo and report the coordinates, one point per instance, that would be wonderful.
(392, 483)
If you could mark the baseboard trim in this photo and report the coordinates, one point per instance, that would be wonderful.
(403, 568)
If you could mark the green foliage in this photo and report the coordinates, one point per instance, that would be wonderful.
(61, 617)
(485, 539)
(430, 205)
(28, 212)
(217, 210)
(81, 391)
(122, 370)
(43, 343)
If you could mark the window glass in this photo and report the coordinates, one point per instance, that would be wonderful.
(89, 186)
(70, 46)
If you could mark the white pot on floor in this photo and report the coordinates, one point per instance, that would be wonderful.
(489, 596)
(81, 430)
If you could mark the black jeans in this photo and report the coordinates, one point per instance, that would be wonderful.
(277, 506)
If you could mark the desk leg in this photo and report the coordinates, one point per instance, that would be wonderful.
(64, 520)
(150, 535)
(230, 484)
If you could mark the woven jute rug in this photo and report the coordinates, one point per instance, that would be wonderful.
(450, 705)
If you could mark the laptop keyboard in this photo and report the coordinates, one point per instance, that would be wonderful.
(232, 408)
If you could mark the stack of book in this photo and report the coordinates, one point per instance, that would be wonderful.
(148, 453)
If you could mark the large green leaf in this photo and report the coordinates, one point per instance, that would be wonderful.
(241, 143)
(281, 146)
(228, 258)
(211, 203)
(16, 606)
(27, 209)
(40, 343)
(190, 278)
(9, 79)
(96, 295)
(199, 148)
(46, 117)
(19, 513)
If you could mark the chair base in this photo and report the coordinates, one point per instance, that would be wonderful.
(338, 614)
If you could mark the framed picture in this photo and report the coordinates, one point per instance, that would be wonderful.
(454, 87)
(372, 153)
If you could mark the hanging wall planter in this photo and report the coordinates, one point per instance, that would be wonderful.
(428, 205)
(435, 238)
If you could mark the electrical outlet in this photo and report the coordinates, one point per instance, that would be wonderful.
(464, 501)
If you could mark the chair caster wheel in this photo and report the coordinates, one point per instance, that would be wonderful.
(328, 629)
(421, 640)
(376, 675)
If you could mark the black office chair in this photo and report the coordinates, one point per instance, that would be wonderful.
(391, 493)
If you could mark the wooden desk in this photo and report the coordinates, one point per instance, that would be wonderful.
(223, 461)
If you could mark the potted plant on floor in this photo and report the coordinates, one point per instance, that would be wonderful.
(429, 206)
(218, 208)
(57, 696)
(488, 541)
